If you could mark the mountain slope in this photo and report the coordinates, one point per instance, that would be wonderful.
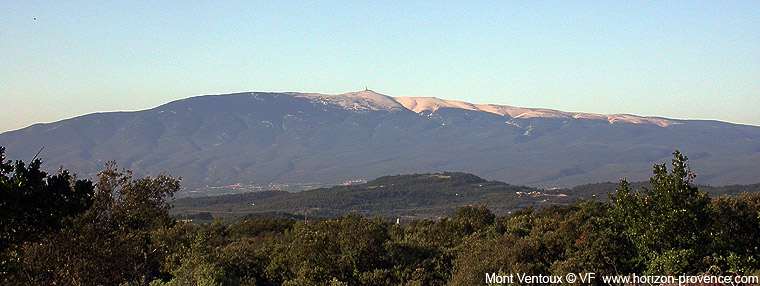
(247, 141)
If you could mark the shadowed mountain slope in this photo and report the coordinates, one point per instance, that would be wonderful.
(248, 141)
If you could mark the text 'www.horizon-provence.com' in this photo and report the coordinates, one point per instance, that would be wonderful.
(632, 279)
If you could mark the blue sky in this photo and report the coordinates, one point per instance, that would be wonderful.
(690, 60)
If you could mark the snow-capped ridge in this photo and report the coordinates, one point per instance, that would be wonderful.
(366, 100)
(432, 104)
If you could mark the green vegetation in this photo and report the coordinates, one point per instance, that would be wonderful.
(118, 231)
(407, 197)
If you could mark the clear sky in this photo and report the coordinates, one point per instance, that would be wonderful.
(690, 59)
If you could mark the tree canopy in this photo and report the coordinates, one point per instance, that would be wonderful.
(118, 231)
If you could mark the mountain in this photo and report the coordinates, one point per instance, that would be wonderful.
(248, 141)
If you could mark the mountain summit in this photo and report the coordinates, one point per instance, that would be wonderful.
(359, 101)
(258, 140)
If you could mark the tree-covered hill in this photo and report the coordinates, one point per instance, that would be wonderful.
(399, 196)
(407, 196)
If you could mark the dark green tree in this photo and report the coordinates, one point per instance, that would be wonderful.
(33, 203)
(736, 233)
(348, 249)
(474, 218)
(110, 243)
(667, 224)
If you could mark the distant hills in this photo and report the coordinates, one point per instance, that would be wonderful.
(402, 196)
(415, 196)
(260, 141)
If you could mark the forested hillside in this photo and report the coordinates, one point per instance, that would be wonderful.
(405, 197)
(400, 196)
(57, 230)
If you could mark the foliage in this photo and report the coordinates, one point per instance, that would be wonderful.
(415, 196)
(665, 223)
(109, 242)
(735, 242)
(33, 203)
(122, 234)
